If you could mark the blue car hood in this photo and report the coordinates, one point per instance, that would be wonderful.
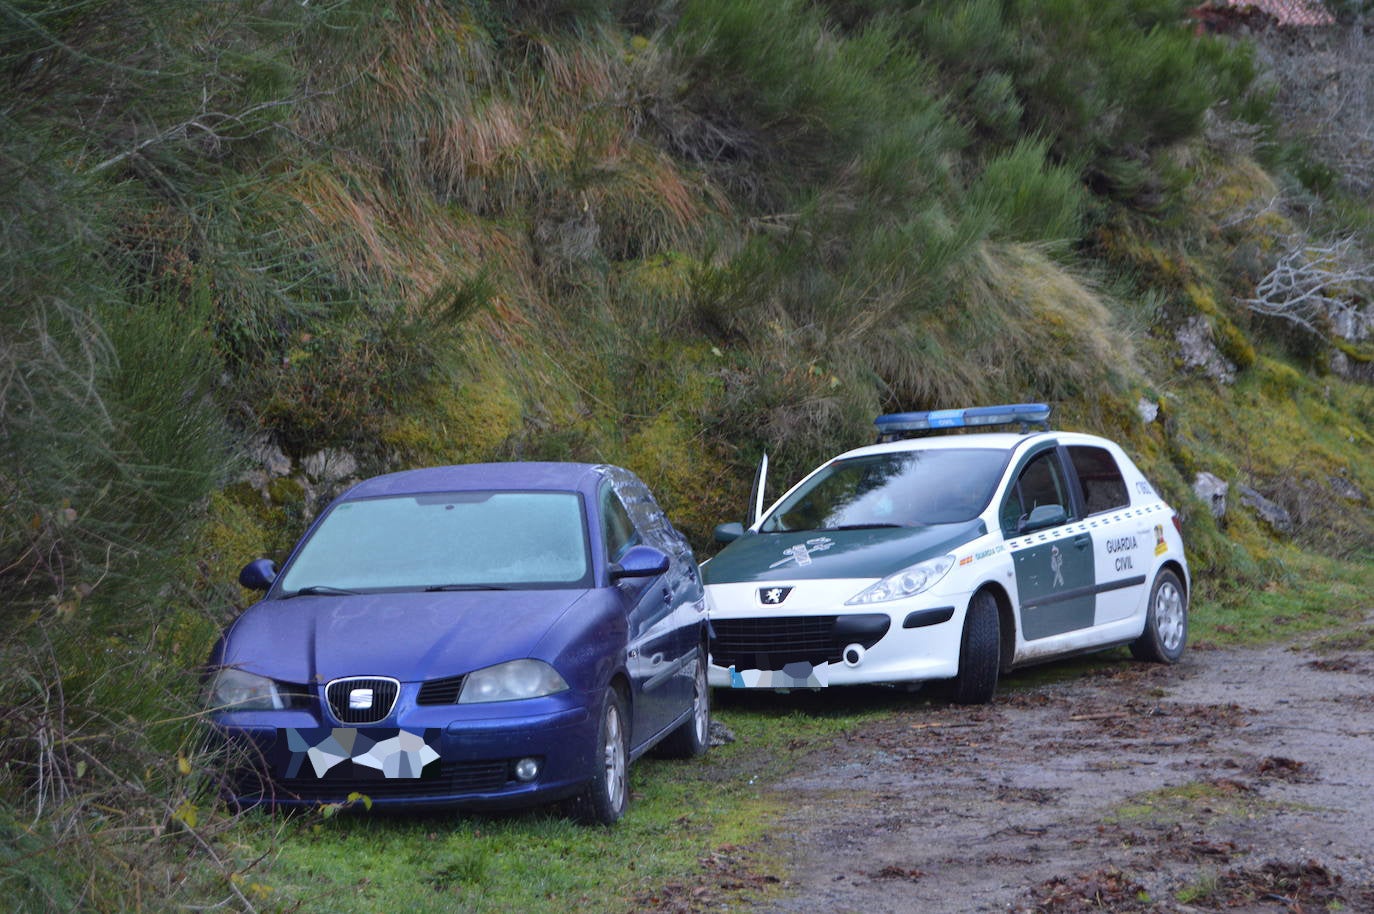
(819, 554)
(409, 636)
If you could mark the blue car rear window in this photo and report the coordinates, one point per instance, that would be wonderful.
(498, 539)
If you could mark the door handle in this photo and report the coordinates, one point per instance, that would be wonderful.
(1082, 541)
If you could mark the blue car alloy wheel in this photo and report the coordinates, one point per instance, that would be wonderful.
(486, 636)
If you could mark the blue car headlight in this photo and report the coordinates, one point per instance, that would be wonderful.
(906, 583)
(239, 690)
(510, 681)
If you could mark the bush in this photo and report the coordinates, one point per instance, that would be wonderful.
(825, 96)
(1032, 199)
(1104, 84)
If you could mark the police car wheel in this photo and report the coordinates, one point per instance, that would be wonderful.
(979, 654)
(1166, 621)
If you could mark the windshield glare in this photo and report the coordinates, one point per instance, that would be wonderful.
(901, 489)
(498, 539)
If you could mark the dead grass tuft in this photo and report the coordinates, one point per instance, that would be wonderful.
(347, 217)
(1021, 326)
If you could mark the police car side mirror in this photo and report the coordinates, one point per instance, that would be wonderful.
(1042, 517)
(728, 533)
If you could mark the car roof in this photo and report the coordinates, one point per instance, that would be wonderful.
(559, 477)
(999, 441)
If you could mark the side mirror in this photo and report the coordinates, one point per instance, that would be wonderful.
(258, 574)
(640, 562)
(728, 533)
(1042, 517)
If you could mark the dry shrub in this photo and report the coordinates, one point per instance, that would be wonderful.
(107, 788)
(648, 205)
(1021, 327)
(1325, 92)
(342, 211)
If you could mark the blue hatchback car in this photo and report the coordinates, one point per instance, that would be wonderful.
(490, 635)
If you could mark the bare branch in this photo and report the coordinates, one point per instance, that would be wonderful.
(1325, 83)
(210, 123)
(1317, 288)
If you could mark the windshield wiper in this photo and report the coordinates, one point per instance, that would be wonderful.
(315, 590)
(437, 588)
(863, 526)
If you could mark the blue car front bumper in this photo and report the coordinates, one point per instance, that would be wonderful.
(464, 756)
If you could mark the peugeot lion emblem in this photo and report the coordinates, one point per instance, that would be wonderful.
(360, 700)
(772, 596)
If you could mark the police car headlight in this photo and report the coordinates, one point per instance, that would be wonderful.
(511, 681)
(906, 583)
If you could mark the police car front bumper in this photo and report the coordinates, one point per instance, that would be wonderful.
(803, 635)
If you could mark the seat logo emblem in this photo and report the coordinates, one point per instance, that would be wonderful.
(360, 700)
(772, 596)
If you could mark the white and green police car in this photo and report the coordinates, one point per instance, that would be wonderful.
(948, 557)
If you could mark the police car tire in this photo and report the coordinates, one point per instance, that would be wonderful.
(1152, 645)
(979, 653)
(693, 735)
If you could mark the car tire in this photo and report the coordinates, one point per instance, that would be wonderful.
(693, 735)
(980, 653)
(1166, 621)
(604, 800)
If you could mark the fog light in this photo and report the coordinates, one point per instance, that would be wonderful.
(527, 769)
(854, 655)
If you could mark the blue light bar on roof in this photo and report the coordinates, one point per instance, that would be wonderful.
(1010, 414)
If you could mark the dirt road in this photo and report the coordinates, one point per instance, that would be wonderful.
(1238, 781)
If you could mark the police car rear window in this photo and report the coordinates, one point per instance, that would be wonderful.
(1099, 479)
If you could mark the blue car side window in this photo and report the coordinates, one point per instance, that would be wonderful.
(617, 530)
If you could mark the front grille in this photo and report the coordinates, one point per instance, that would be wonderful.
(771, 643)
(340, 693)
(440, 691)
(453, 779)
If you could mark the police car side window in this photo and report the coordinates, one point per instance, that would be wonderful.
(1039, 483)
(1099, 479)
(619, 532)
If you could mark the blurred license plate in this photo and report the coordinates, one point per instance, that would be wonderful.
(385, 752)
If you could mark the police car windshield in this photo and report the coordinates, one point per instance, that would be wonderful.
(903, 488)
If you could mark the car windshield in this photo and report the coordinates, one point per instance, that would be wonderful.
(899, 489)
(457, 540)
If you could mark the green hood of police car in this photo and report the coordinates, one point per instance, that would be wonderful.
(803, 555)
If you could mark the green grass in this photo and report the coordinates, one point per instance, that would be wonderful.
(519, 863)
(1306, 594)
(1361, 639)
(1193, 802)
(1199, 891)
(684, 817)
